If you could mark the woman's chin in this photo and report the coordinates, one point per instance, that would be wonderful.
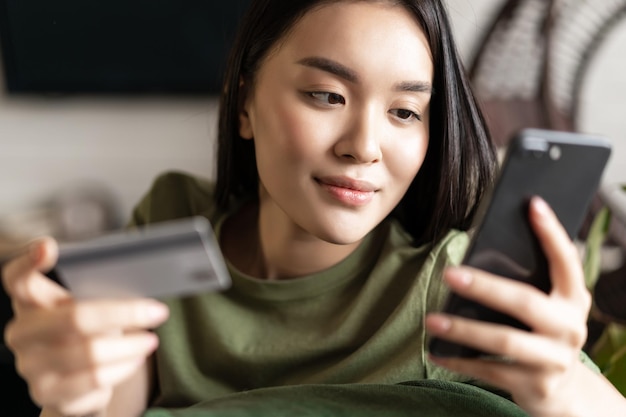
(344, 235)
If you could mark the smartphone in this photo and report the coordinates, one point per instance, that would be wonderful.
(172, 258)
(563, 168)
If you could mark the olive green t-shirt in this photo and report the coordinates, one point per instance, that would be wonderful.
(360, 321)
(346, 341)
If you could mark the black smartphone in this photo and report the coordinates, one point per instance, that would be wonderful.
(167, 259)
(565, 169)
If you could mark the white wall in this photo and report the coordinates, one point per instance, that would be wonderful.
(603, 100)
(48, 144)
(51, 146)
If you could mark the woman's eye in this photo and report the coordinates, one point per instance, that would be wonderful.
(329, 98)
(406, 114)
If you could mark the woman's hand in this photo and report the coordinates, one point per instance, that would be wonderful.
(73, 353)
(543, 372)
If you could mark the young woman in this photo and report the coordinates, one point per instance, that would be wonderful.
(351, 159)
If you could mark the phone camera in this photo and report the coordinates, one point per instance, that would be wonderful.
(555, 153)
(537, 154)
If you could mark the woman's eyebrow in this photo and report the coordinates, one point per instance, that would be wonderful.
(340, 70)
(330, 66)
(414, 87)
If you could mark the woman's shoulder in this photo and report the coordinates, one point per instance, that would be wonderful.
(175, 194)
(429, 262)
(451, 247)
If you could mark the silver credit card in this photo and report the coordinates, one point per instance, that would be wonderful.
(173, 258)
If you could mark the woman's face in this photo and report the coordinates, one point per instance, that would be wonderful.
(339, 116)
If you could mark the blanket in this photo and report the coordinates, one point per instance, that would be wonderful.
(427, 398)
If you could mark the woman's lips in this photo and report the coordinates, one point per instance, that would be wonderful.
(348, 191)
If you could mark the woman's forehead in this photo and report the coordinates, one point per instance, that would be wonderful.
(360, 33)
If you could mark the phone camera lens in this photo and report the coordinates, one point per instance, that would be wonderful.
(537, 154)
(555, 153)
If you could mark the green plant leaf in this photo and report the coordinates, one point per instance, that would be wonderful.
(609, 351)
(616, 372)
(593, 246)
(612, 340)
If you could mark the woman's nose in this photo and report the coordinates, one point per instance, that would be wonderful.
(361, 141)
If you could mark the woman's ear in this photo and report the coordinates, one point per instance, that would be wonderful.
(245, 124)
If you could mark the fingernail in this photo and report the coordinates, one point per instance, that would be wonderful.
(157, 312)
(152, 342)
(438, 324)
(458, 277)
(35, 252)
(540, 205)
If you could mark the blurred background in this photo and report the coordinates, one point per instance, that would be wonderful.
(98, 100)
